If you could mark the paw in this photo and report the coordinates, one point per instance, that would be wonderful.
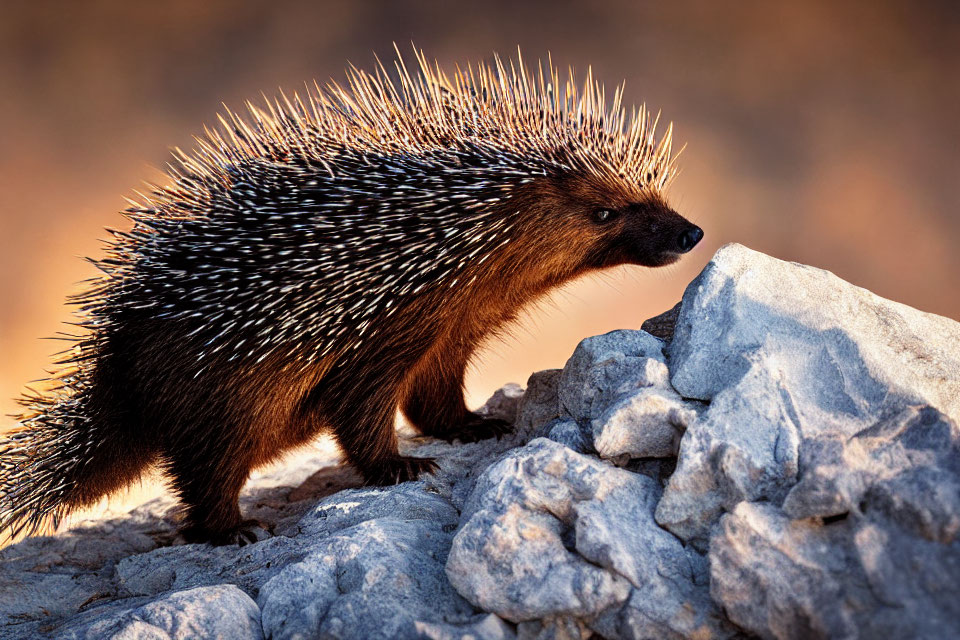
(244, 533)
(397, 470)
(477, 427)
(248, 532)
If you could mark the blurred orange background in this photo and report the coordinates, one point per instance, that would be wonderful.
(822, 132)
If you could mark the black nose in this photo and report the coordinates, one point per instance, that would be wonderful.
(689, 239)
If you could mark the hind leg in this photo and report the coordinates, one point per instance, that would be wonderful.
(212, 507)
(208, 484)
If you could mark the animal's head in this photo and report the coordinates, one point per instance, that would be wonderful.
(614, 223)
(577, 223)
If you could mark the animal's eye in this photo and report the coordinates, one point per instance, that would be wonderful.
(604, 215)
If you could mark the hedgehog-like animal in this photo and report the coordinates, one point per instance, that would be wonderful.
(325, 261)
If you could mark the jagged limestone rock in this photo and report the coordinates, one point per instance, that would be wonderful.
(553, 534)
(788, 355)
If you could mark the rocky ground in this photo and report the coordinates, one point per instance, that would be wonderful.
(788, 466)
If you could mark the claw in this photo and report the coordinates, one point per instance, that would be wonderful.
(399, 469)
(246, 532)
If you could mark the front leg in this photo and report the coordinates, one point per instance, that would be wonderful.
(363, 425)
(434, 405)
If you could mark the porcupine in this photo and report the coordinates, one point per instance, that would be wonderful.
(321, 263)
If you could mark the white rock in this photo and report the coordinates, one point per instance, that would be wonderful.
(551, 534)
(488, 627)
(379, 579)
(787, 354)
(504, 403)
(616, 387)
(743, 447)
(844, 352)
(645, 424)
(568, 433)
(218, 612)
(605, 367)
(854, 578)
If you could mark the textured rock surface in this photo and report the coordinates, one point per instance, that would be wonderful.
(550, 533)
(223, 611)
(616, 387)
(788, 467)
(789, 355)
(830, 443)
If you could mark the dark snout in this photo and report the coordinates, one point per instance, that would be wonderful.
(689, 239)
(654, 235)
